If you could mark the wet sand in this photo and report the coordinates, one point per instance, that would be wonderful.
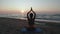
(14, 26)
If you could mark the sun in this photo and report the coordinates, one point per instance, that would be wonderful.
(22, 11)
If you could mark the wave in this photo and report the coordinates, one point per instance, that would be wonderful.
(39, 17)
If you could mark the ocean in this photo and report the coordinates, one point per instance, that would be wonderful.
(42, 17)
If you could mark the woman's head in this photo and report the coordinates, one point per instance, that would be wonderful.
(31, 15)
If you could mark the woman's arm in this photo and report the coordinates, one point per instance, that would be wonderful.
(34, 14)
(28, 14)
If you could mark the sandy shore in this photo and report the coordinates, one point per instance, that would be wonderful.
(13, 26)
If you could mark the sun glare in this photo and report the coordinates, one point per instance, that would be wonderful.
(22, 11)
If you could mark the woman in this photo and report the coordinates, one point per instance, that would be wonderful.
(31, 18)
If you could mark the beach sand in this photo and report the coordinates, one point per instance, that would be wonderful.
(14, 26)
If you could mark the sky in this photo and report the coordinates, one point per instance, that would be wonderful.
(43, 6)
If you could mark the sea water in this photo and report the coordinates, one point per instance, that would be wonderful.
(39, 17)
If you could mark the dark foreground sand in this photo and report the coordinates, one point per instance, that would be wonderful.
(14, 26)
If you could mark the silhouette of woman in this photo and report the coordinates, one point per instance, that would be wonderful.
(31, 17)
